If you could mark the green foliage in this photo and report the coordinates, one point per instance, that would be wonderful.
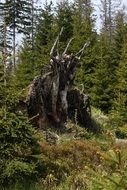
(120, 34)
(43, 31)
(44, 36)
(1, 81)
(64, 19)
(17, 144)
(79, 160)
(83, 165)
(26, 69)
(18, 14)
(102, 90)
(120, 102)
(112, 175)
(121, 132)
(17, 140)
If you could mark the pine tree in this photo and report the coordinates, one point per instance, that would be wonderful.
(108, 11)
(120, 103)
(31, 28)
(18, 19)
(83, 31)
(32, 60)
(4, 18)
(119, 35)
(64, 18)
(1, 81)
(102, 91)
(3, 63)
(83, 22)
(105, 70)
(26, 68)
(43, 29)
(44, 36)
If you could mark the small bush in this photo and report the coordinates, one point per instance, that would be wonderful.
(121, 132)
(17, 144)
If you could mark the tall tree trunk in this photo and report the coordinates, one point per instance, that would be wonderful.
(32, 24)
(4, 64)
(110, 20)
(14, 37)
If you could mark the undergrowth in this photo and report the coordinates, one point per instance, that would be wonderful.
(79, 160)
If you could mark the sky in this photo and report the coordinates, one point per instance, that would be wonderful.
(95, 2)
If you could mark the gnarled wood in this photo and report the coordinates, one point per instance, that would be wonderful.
(50, 100)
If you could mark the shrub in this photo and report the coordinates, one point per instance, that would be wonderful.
(63, 159)
(17, 144)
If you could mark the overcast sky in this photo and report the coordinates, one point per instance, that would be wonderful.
(96, 2)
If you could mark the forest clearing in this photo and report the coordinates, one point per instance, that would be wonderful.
(63, 96)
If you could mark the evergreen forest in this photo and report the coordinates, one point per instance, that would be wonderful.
(78, 158)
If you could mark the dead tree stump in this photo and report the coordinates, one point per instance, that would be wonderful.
(51, 99)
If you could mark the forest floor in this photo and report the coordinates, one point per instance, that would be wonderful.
(79, 160)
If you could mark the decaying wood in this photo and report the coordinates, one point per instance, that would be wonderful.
(79, 108)
(51, 98)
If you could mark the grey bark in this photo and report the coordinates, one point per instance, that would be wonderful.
(48, 94)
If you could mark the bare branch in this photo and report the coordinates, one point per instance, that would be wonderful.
(80, 53)
(56, 42)
(67, 46)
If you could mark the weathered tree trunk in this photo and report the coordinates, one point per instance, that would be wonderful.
(5, 64)
(79, 109)
(50, 100)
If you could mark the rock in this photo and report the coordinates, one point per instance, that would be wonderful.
(52, 138)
